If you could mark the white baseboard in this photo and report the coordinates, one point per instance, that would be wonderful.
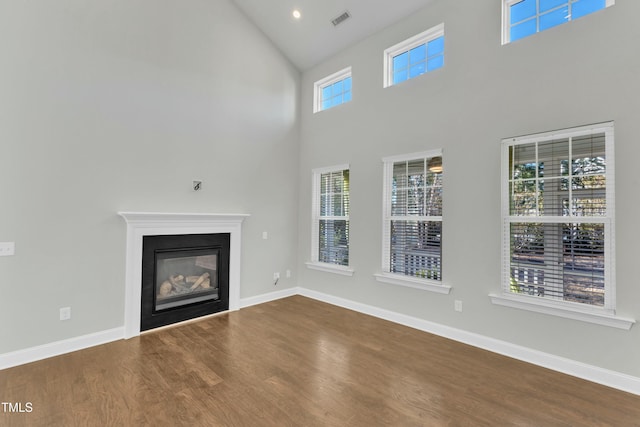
(45, 351)
(271, 296)
(591, 373)
(587, 372)
(21, 357)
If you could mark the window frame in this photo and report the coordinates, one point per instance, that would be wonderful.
(328, 81)
(386, 276)
(405, 46)
(604, 315)
(316, 217)
(506, 18)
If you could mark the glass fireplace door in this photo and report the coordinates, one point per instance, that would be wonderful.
(185, 277)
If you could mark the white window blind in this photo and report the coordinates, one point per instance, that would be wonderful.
(558, 215)
(413, 216)
(330, 239)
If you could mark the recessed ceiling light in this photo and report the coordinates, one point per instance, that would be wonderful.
(296, 14)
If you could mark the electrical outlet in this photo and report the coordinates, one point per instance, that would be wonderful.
(65, 313)
(457, 305)
(265, 235)
(276, 276)
(288, 274)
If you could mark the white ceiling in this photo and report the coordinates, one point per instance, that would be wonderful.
(313, 38)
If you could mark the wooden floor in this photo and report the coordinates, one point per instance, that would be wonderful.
(299, 362)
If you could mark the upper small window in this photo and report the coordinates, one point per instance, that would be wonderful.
(332, 90)
(522, 18)
(415, 56)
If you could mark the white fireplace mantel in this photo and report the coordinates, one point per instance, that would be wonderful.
(140, 224)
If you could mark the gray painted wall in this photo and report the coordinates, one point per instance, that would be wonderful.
(117, 105)
(580, 73)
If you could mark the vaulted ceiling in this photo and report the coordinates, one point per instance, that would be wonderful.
(313, 37)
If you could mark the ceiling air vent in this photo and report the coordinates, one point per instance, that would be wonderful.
(340, 19)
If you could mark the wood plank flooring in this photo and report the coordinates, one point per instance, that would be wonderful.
(300, 362)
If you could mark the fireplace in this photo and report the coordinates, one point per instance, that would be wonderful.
(183, 277)
(144, 224)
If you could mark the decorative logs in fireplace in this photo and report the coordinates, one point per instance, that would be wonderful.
(177, 284)
(183, 277)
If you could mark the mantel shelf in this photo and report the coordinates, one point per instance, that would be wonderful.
(156, 217)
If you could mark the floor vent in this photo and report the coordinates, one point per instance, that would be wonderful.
(340, 19)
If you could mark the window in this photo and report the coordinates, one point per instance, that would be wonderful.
(332, 90)
(415, 56)
(522, 18)
(558, 222)
(330, 227)
(412, 221)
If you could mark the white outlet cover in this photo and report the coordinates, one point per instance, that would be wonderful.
(458, 305)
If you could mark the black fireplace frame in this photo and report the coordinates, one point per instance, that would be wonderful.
(152, 247)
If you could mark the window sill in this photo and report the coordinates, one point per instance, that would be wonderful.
(423, 284)
(330, 268)
(538, 305)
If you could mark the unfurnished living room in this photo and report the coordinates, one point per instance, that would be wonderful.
(319, 213)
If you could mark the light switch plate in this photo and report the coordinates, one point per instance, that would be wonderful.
(7, 248)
